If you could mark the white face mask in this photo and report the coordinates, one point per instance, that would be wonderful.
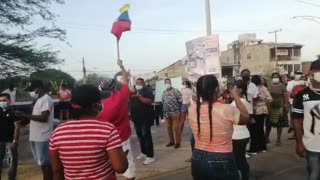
(275, 80)
(138, 87)
(4, 105)
(34, 95)
(168, 86)
(316, 77)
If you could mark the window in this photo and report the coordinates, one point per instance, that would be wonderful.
(249, 56)
(297, 52)
(297, 67)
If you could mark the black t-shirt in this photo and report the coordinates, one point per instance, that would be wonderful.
(141, 112)
(7, 120)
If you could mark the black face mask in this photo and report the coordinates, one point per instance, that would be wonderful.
(246, 78)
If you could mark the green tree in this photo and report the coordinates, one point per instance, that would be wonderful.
(19, 54)
(53, 77)
(93, 79)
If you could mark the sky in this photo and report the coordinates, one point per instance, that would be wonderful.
(161, 28)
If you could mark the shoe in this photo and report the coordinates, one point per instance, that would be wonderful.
(264, 151)
(290, 130)
(248, 156)
(292, 138)
(141, 156)
(170, 144)
(252, 153)
(177, 146)
(149, 161)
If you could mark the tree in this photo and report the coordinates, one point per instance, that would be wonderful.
(93, 79)
(19, 54)
(53, 76)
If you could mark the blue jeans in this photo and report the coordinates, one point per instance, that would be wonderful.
(11, 161)
(145, 138)
(40, 151)
(313, 160)
(213, 166)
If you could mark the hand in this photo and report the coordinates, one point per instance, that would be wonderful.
(234, 92)
(20, 114)
(14, 145)
(120, 63)
(301, 150)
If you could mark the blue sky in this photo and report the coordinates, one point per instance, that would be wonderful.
(161, 28)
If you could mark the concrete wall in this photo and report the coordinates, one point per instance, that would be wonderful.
(256, 58)
(174, 70)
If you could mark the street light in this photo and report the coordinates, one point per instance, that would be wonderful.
(208, 17)
(315, 19)
(276, 46)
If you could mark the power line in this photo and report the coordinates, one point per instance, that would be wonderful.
(304, 2)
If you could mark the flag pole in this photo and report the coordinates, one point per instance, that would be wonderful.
(118, 50)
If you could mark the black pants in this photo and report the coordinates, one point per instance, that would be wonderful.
(145, 138)
(239, 150)
(258, 137)
(157, 114)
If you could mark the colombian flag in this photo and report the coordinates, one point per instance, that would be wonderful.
(123, 22)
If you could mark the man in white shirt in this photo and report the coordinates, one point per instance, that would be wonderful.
(12, 91)
(41, 126)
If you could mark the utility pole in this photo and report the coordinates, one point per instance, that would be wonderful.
(208, 18)
(276, 46)
(84, 72)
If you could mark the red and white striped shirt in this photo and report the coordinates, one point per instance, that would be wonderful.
(82, 146)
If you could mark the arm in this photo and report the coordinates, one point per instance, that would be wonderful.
(298, 115)
(16, 134)
(118, 160)
(244, 114)
(145, 100)
(125, 74)
(57, 167)
(39, 118)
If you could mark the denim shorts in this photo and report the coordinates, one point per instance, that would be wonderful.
(184, 108)
(217, 166)
(40, 151)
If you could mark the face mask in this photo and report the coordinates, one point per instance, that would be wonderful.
(34, 95)
(138, 87)
(275, 80)
(168, 86)
(316, 77)
(3, 105)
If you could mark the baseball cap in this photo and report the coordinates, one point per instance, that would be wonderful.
(107, 85)
(34, 84)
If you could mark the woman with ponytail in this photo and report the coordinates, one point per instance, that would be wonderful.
(212, 125)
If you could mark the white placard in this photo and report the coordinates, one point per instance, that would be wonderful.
(204, 57)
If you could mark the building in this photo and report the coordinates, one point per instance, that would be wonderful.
(176, 69)
(250, 53)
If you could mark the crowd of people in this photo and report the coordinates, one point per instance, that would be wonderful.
(94, 142)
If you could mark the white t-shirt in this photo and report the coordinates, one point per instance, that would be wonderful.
(293, 84)
(253, 92)
(12, 95)
(241, 132)
(41, 131)
(186, 95)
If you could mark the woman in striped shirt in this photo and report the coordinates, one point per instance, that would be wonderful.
(212, 125)
(86, 148)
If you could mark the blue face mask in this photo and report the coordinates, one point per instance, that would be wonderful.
(3, 105)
